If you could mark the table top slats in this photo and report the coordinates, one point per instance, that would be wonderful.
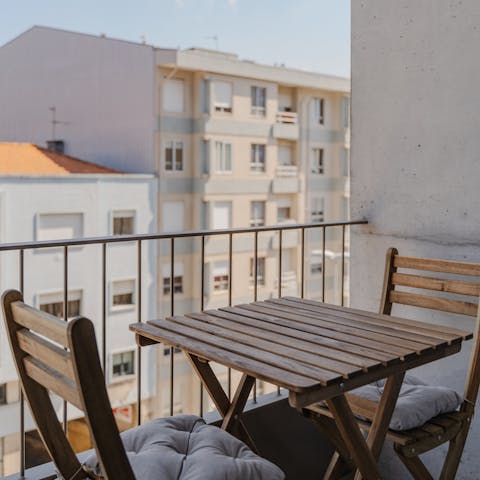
(294, 324)
(269, 345)
(308, 347)
(351, 335)
(440, 331)
(353, 353)
(362, 323)
(321, 375)
(156, 330)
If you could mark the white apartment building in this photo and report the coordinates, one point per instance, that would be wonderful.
(48, 196)
(232, 142)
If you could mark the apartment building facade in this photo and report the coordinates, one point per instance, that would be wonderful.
(233, 144)
(48, 196)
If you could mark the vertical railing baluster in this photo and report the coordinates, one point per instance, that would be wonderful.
(65, 317)
(139, 319)
(343, 265)
(104, 309)
(202, 305)
(323, 263)
(302, 287)
(22, 398)
(280, 240)
(255, 293)
(230, 276)
(172, 312)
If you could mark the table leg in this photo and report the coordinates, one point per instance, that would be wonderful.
(353, 438)
(230, 411)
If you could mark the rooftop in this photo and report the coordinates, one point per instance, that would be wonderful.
(30, 159)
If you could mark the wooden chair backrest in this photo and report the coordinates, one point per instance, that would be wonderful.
(62, 357)
(425, 278)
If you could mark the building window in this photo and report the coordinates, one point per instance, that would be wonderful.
(316, 267)
(220, 276)
(123, 222)
(257, 158)
(285, 155)
(222, 215)
(59, 226)
(177, 284)
(123, 293)
(173, 95)
(257, 214)
(260, 271)
(318, 210)
(173, 216)
(3, 393)
(52, 303)
(317, 161)
(259, 96)
(177, 278)
(174, 156)
(166, 351)
(123, 364)
(346, 112)
(222, 96)
(319, 110)
(283, 214)
(223, 157)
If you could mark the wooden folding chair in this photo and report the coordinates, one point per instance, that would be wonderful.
(421, 275)
(62, 357)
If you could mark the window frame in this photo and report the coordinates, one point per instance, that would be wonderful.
(318, 161)
(256, 109)
(220, 108)
(126, 377)
(183, 105)
(317, 215)
(38, 218)
(319, 110)
(58, 294)
(221, 282)
(257, 221)
(261, 264)
(258, 160)
(127, 213)
(173, 145)
(218, 203)
(221, 159)
(123, 307)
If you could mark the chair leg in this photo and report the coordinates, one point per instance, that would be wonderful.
(454, 454)
(415, 466)
(338, 468)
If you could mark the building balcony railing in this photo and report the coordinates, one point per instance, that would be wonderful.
(286, 171)
(290, 118)
(63, 250)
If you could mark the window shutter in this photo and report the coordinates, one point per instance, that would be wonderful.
(222, 94)
(173, 95)
(222, 212)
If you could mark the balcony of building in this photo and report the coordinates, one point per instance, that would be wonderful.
(141, 383)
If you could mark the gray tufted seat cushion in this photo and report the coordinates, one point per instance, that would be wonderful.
(417, 402)
(183, 447)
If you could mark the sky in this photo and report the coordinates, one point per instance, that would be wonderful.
(307, 34)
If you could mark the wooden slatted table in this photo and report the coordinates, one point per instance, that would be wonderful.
(314, 350)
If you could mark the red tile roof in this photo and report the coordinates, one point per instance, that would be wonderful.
(30, 159)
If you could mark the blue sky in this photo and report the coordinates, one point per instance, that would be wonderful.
(308, 34)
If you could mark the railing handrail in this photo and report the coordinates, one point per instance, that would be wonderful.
(169, 235)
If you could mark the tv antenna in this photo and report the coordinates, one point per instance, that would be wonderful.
(54, 120)
(215, 39)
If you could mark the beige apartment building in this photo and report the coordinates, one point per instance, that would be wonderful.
(238, 145)
(233, 143)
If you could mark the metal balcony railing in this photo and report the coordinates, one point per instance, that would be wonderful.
(172, 237)
(290, 118)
